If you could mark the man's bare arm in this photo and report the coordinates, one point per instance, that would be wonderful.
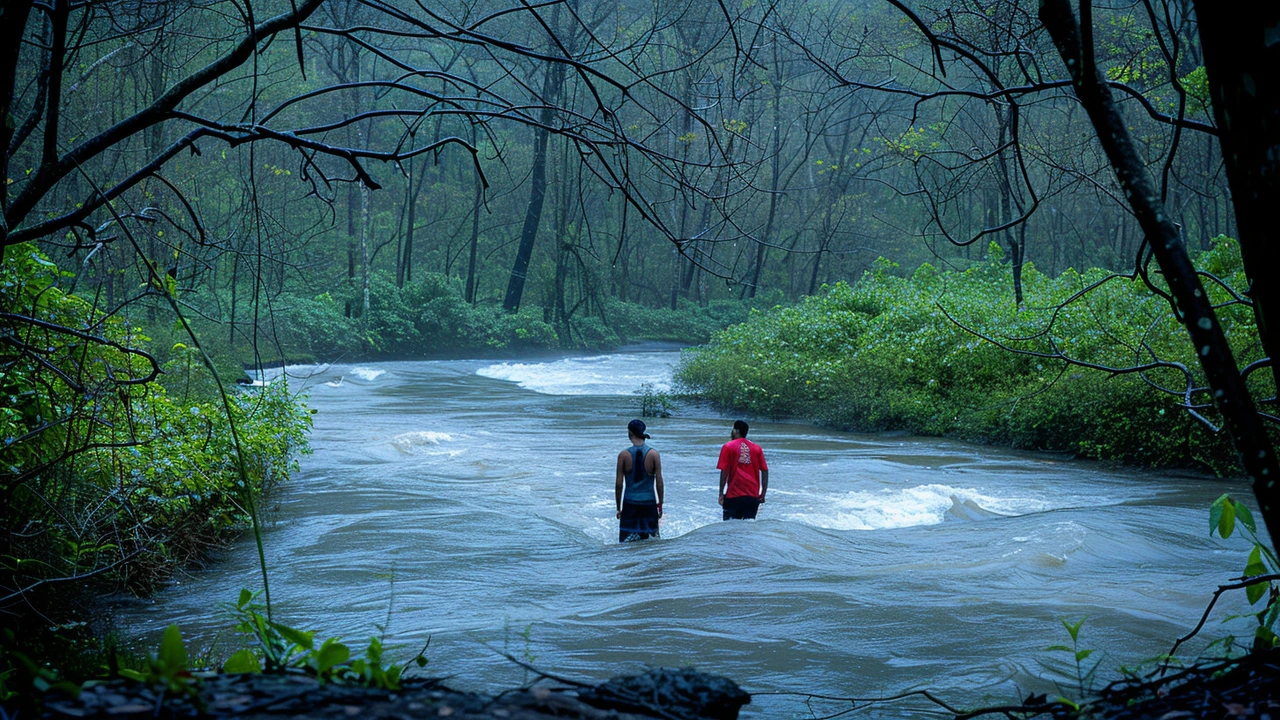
(764, 484)
(724, 478)
(617, 484)
(657, 478)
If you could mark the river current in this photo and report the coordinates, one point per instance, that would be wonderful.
(471, 503)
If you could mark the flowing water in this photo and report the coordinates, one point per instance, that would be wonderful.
(471, 502)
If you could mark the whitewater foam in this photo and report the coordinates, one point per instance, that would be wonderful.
(424, 442)
(269, 375)
(596, 375)
(907, 507)
(367, 373)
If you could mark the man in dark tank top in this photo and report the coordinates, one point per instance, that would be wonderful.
(637, 487)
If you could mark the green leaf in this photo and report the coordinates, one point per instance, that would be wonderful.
(1073, 630)
(243, 661)
(173, 652)
(1265, 637)
(1215, 511)
(245, 597)
(392, 678)
(301, 638)
(1060, 648)
(1254, 568)
(1082, 654)
(1227, 523)
(1273, 614)
(1246, 517)
(1256, 591)
(331, 653)
(132, 675)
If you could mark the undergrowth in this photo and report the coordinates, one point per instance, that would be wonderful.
(934, 354)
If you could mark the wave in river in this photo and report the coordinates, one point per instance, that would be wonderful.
(597, 375)
(269, 375)
(424, 442)
(367, 373)
(909, 507)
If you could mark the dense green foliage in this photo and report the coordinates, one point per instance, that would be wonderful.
(905, 353)
(113, 473)
(429, 317)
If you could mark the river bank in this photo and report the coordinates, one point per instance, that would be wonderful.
(672, 694)
(1107, 375)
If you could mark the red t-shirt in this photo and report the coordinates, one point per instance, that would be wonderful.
(743, 460)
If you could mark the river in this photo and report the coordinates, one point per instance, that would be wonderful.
(471, 502)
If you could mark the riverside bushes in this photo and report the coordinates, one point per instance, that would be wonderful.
(429, 317)
(113, 470)
(905, 353)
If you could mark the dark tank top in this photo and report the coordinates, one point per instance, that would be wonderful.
(639, 483)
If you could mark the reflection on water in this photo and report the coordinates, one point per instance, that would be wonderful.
(472, 502)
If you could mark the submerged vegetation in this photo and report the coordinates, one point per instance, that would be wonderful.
(1108, 374)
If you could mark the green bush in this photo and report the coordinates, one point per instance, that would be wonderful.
(114, 475)
(429, 317)
(689, 323)
(920, 354)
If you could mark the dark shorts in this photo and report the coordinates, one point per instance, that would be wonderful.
(638, 522)
(743, 507)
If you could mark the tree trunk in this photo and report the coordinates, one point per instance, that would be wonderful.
(537, 185)
(1007, 200)
(364, 250)
(533, 213)
(475, 238)
(13, 25)
(1232, 397)
(1241, 53)
(351, 243)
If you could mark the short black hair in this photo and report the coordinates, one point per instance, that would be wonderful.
(636, 428)
(741, 427)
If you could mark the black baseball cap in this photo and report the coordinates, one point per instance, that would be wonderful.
(637, 428)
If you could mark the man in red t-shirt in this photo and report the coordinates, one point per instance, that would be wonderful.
(744, 471)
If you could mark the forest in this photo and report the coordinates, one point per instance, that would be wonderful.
(1034, 225)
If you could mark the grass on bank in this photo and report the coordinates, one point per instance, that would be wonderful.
(904, 353)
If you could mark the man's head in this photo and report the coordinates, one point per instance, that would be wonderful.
(739, 429)
(636, 430)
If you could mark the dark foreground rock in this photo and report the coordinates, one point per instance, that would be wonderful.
(669, 694)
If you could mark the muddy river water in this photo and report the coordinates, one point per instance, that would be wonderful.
(471, 502)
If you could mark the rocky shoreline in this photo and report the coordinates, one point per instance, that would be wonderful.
(1243, 688)
(670, 694)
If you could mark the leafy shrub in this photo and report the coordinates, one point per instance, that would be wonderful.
(689, 323)
(429, 317)
(920, 354)
(115, 475)
(278, 648)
